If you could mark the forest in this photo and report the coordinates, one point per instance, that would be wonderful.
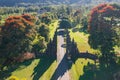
(59, 40)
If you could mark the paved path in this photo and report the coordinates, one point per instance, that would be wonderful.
(61, 72)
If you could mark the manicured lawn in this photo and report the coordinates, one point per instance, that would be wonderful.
(82, 41)
(77, 68)
(38, 69)
(53, 26)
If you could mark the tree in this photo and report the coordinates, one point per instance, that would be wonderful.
(77, 17)
(84, 23)
(102, 35)
(17, 36)
(43, 30)
(64, 23)
(45, 19)
(39, 44)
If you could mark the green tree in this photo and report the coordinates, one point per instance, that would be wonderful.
(43, 30)
(39, 44)
(102, 33)
(64, 23)
(17, 36)
(45, 18)
(84, 22)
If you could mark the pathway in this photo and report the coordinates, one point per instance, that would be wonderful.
(61, 72)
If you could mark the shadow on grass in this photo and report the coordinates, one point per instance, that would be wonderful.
(83, 30)
(93, 72)
(72, 50)
(46, 59)
(42, 66)
(8, 70)
(75, 29)
(62, 68)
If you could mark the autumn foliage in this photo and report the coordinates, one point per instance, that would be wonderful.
(45, 18)
(101, 9)
(102, 35)
(17, 33)
(18, 21)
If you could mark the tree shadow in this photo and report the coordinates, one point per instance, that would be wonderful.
(61, 32)
(7, 72)
(64, 45)
(83, 30)
(73, 51)
(62, 68)
(51, 48)
(92, 71)
(46, 59)
(42, 66)
(64, 65)
(75, 29)
(95, 72)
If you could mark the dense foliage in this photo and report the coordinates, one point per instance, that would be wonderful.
(38, 2)
(103, 36)
(17, 35)
(65, 23)
(20, 35)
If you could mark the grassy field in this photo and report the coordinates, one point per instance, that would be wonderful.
(77, 69)
(52, 28)
(38, 69)
(82, 41)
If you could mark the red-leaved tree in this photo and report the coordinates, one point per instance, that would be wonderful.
(102, 35)
(18, 32)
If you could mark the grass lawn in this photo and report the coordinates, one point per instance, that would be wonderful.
(77, 69)
(53, 26)
(38, 69)
(82, 41)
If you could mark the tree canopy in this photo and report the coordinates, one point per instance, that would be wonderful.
(103, 36)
